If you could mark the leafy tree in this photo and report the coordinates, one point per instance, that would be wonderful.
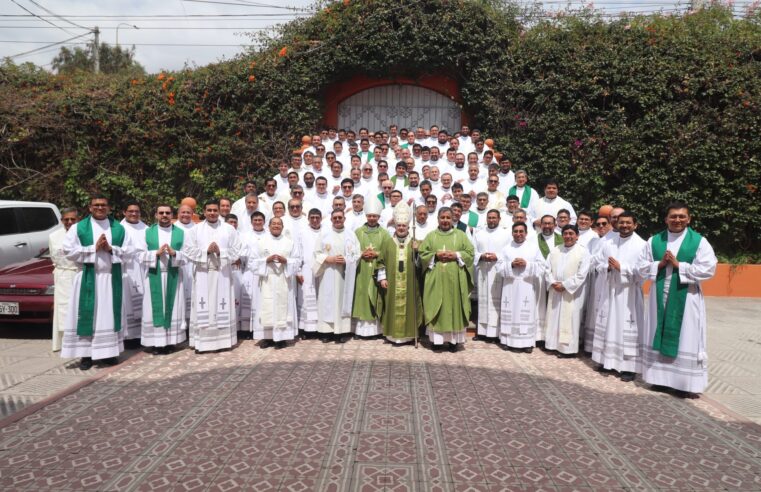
(113, 59)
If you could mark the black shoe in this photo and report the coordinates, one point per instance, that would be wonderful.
(344, 338)
(111, 361)
(325, 338)
(453, 347)
(601, 369)
(156, 350)
(528, 350)
(265, 344)
(627, 377)
(659, 388)
(479, 338)
(86, 363)
(686, 395)
(132, 344)
(280, 345)
(565, 356)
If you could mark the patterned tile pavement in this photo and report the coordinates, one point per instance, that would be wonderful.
(367, 416)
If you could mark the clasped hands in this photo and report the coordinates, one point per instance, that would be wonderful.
(446, 256)
(518, 262)
(277, 259)
(335, 260)
(668, 259)
(166, 249)
(489, 257)
(369, 254)
(213, 249)
(102, 244)
(558, 286)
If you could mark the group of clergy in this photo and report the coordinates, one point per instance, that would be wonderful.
(402, 257)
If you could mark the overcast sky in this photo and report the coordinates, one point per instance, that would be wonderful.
(168, 34)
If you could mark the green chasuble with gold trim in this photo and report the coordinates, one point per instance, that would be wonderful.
(403, 301)
(447, 286)
(368, 305)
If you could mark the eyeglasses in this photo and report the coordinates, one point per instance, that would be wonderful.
(298, 192)
(163, 213)
(600, 224)
(294, 207)
(493, 181)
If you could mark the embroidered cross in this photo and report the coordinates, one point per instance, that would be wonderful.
(601, 315)
(134, 286)
(223, 303)
(202, 303)
(507, 302)
(525, 302)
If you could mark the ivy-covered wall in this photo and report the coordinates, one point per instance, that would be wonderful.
(633, 112)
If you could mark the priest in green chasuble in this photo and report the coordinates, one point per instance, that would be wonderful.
(374, 241)
(402, 293)
(446, 256)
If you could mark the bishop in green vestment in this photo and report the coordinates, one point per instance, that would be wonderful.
(447, 259)
(403, 308)
(374, 240)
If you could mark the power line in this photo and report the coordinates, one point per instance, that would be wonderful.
(161, 28)
(133, 44)
(164, 16)
(39, 17)
(250, 4)
(50, 45)
(58, 16)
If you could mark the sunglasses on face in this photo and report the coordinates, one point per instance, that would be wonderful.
(600, 224)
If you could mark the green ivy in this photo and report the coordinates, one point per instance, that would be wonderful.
(635, 112)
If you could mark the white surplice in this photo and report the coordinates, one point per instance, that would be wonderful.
(63, 281)
(488, 281)
(688, 371)
(307, 291)
(620, 317)
(158, 336)
(187, 273)
(546, 206)
(519, 318)
(133, 269)
(595, 287)
(105, 342)
(276, 313)
(248, 281)
(336, 282)
(569, 266)
(212, 314)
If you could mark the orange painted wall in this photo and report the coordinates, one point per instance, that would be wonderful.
(339, 91)
(729, 281)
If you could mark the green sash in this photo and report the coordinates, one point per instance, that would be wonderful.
(87, 287)
(525, 199)
(162, 308)
(670, 316)
(382, 198)
(544, 248)
(472, 219)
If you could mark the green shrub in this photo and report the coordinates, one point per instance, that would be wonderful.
(634, 112)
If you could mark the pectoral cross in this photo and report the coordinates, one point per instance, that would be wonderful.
(134, 286)
(600, 316)
(525, 302)
(507, 302)
(202, 303)
(223, 303)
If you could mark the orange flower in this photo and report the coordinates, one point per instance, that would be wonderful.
(252, 64)
(251, 78)
(134, 82)
(346, 3)
(161, 76)
(283, 51)
(751, 187)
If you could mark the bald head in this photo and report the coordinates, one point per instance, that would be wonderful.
(614, 217)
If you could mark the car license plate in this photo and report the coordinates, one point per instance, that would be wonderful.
(10, 308)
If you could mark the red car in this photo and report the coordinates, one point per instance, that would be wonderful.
(26, 291)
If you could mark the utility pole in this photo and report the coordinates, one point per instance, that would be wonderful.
(96, 50)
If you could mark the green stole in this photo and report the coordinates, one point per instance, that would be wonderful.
(472, 219)
(670, 316)
(87, 287)
(462, 226)
(395, 178)
(526, 198)
(382, 198)
(162, 308)
(544, 248)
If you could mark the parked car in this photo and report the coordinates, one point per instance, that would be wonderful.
(26, 291)
(25, 228)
